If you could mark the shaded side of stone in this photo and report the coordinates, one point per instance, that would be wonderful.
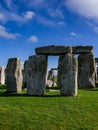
(86, 71)
(25, 75)
(96, 60)
(2, 75)
(36, 75)
(14, 75)
(67, 75)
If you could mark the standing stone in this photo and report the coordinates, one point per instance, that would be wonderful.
(14, 75)
(36, 75)
(2, 75)
(67, 75)
(86, 71)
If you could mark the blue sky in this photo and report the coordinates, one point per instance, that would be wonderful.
(27, 24)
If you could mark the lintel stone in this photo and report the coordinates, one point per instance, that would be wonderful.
(63, 50)
(53, 50)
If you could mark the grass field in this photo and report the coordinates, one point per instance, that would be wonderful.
(50, 112)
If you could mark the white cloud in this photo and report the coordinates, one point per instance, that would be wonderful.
(87, 8)
(29, 15)
(5, 34)
(6, 16)
(33, 39)
(73, 34)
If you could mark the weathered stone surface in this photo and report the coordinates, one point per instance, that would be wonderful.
(67, 75)
(25, 75)
(14, 75)
(53, 50)
(82, 49)
(2, 75)
(86, 71)
(36, 75)
(63, 50)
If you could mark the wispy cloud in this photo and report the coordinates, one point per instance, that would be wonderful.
(9, 3)
(61, 23)
(56, 13)
(5, 34)
(45, 21)
(73, 34)
(2, 18)
(87, 8)
(52, 12)
(6, 16)
(93, 26)
(33, 39)
(53, 9)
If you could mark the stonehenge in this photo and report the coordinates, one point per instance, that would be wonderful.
(73, 71)
(63, 50)
(86, 71)
(36, 75)
(14, 75)
(67, 71)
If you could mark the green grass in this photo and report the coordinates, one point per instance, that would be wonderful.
(50, 112)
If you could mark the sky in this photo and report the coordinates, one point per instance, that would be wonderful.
(28, 24)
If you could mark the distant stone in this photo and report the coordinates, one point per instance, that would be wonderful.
(67, 75)
(50, 74)
(63, 50)
(36, 75)
(14, 75)
(86, 71)
(50, 83)
(2, 75)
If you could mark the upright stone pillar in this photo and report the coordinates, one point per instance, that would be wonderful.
(36, 75)
(86, 70)
(67, 75)
(14, 75)
(2, 75)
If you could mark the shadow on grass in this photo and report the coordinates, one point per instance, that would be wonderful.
(3, 86)
(6, 94)
(91, 89)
